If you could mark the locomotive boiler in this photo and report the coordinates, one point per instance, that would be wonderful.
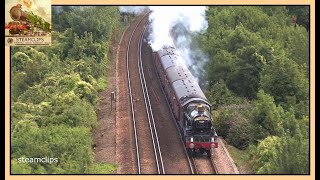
(188, 103)
(28, 19)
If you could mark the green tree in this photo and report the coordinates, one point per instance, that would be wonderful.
(244, 80)
(266, 154)
(266, 116)
(296, 43)
(220, 95)
(286, 82)
(274, 155)
(233, 123)
(55, 91)
(302, 14)
(258, 54)
(20, 168)
(67, 144)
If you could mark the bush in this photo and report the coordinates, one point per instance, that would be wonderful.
(232, 124)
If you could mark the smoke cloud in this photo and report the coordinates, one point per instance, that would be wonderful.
(175, 25)
(133, 9)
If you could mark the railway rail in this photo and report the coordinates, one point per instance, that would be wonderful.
(147, 162)
(200, 162)
(148, 157)
(190, 160)
(195, 165)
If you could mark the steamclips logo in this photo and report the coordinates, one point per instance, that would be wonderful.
(46, 159)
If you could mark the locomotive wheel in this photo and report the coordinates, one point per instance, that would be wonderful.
(181, 131)
(208, 154)
(202, 151)
(193, 153)
(189, 152)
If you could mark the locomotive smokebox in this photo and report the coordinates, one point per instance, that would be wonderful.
(17, 14)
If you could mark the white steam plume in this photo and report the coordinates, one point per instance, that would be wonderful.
(175, 25)
(164, 18)
(133, 9)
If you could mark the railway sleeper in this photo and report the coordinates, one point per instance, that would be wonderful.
(195, 153)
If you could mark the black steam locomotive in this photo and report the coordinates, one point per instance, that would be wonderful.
(188, 103)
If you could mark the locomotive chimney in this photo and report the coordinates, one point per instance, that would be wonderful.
(200, 108)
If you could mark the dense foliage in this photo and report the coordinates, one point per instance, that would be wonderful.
(258, 83)
(54, 92)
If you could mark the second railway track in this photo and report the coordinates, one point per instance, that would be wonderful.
(148, 151)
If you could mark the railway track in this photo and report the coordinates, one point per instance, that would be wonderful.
(201, 164)
(198, 165)
(148, 151)
(189, 159)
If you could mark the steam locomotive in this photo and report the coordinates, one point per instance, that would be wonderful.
(188, 103)
(25, 21)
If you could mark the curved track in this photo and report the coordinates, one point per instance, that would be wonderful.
(144, 154)
(141, 111)
(197, 165)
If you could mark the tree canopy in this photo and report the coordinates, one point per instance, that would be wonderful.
(258, 83)
(55, 92)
